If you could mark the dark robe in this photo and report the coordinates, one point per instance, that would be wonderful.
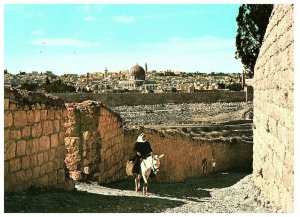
(145, 149)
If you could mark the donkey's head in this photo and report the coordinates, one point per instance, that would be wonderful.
(156, 163)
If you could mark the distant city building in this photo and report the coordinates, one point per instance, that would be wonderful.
(135, 80)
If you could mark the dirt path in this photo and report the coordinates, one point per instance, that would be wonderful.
(239, 197)
(229, 192)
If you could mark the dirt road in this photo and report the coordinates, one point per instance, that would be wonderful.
(230, 192)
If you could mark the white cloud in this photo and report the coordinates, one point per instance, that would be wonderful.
(37, 32)
(124, 19)
(90, 9)
(89, 18)
(65, 42)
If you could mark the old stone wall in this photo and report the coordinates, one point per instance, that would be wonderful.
(94, 138)
(47, 142)
(273, 160)
(33, 141)
(130, 99)
(83, 140)
(112, 152)
(110, 146)
(184, 156)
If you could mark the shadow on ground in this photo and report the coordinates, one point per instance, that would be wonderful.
(43, 200)
(189, 189)
(49, 200)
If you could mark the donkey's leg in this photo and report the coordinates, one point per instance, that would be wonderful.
(145, 187)
(137, 182)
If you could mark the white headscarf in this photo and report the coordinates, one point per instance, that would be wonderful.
(141, 138)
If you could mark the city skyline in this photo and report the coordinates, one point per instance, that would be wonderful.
(87, 38)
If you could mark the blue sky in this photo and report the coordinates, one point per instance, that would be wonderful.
(76, 38)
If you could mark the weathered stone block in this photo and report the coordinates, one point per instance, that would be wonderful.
(9, 150)
(44, 143)
(25, 162)
(35, 145)
(36, 130)
(40, 158)
(34, 160)
(37, 115)
(6, 168)
(6, 135)
(61, 176)
(21, 147)
(56, 164)
(36, 172)
(20, 118)
(15, 134)
(8, 119)
(14, 165)
(30, 117)
(26, 132)
(46, 156)
(56, 126)
(12, 106)
(58, 114)
(61, 138)
(54, 140)
(43, 170)
(47, 127)
(52, 154)
(6, 104)
(50, 114)
(44, 115)
(49, 167)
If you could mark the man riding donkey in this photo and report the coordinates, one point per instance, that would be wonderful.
(143, 162)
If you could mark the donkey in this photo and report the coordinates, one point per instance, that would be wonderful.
(147, 164)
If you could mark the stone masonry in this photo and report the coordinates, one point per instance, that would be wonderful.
(33, 141)
(94, 138)
(273, 161)
(184, 156)
(47, 142)
(98, 148)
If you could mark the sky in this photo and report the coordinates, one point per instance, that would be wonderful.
(78, 38)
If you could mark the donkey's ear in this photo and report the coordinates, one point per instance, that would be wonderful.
(160, 156)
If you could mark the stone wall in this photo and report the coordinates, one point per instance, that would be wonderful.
(112, 152)
(130, 99)
(47, 142)
(184, 155)
(33, 141)
(273, 161)
(94, 138)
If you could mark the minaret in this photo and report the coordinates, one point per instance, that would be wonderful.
(105, 72)
(146, 68)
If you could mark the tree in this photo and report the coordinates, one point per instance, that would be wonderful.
(235, 87)
(47, 81)
(221, 85)
(29, 86)
(252, 23)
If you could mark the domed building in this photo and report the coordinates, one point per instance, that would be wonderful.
(135, 79)
(138, 72)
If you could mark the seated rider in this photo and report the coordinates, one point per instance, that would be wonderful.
(142, 149)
